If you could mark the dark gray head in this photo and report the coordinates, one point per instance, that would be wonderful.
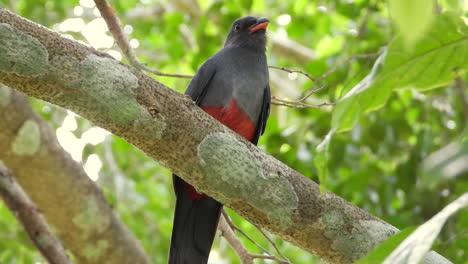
(248, 32)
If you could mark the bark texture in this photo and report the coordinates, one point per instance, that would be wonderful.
(31, 219)
(171, 129)
(71, 203)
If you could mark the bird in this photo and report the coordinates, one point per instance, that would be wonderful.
(233, 87)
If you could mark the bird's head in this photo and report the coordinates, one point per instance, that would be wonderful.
(248, 32)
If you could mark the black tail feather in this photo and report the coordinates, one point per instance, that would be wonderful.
(195, 223)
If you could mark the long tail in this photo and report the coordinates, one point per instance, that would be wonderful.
(195, 221)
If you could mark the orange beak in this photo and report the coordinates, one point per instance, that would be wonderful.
(262, 25)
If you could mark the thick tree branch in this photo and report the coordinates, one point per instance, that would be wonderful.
(31, 219)
(59, 187)
(84, 220)
(170, 128)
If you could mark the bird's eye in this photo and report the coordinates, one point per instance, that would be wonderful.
(237, 27)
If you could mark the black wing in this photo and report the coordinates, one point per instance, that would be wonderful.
(200, 82)
(195, 221)
(265, 112)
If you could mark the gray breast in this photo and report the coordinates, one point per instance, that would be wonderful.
(242, 76)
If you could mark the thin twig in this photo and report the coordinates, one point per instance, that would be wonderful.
(226, 228)
(227, 232)
(300, 103)
(115, 27)
(275, 258)
(292, 71)
(234, 227)
(31, 219)
(330, 71)
(311, 92)
(297, 104)
(307, 95)
(271, 241)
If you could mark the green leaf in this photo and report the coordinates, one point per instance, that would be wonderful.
(415, 247)
(446, 163)
(413, 18)
(378, 254)
(350, 107)
(435, 60)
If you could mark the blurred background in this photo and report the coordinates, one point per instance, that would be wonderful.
(378, 165)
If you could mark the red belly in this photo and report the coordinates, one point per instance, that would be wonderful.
(234, 118)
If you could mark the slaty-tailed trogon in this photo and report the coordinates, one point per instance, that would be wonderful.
(232, 86)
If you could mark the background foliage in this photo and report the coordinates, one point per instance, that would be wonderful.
(380, 164)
